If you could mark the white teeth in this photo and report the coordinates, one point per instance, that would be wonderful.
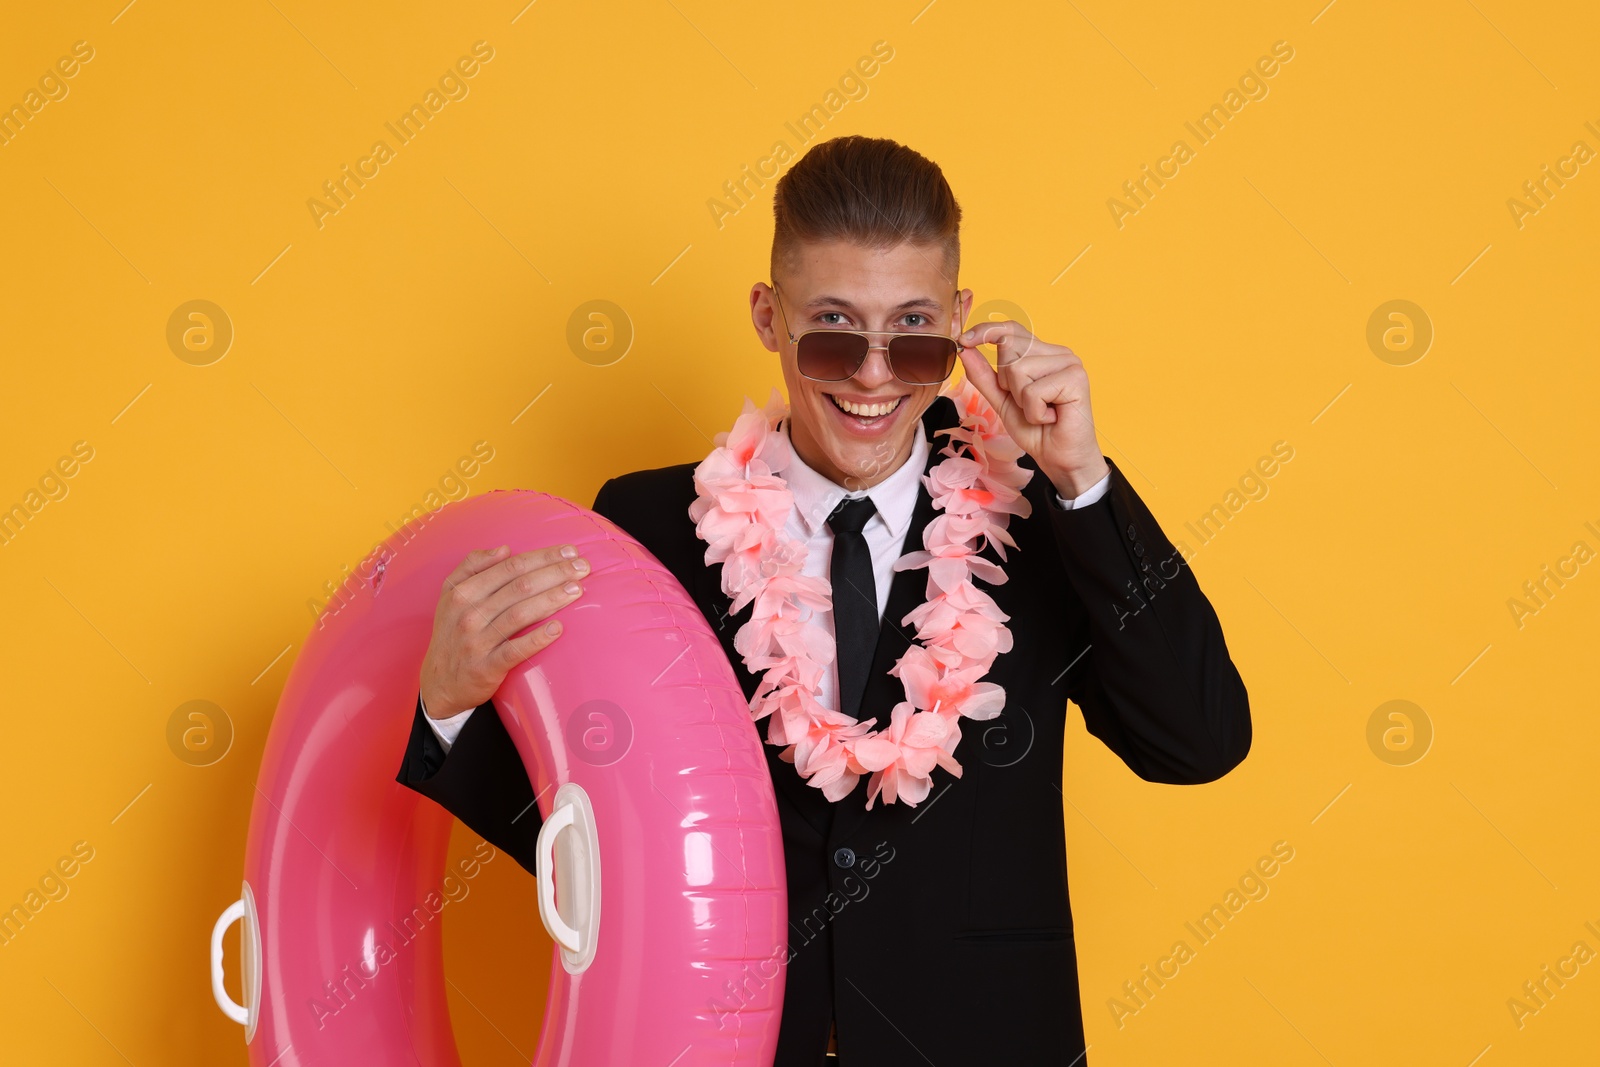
(868, 411)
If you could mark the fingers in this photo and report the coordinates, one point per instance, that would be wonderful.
(474, 563)
(1060, 391)
(992, 333)
(482, 605)
(1020, 357)
(982, 376)
(487, 581)
(521, 591)
(1011, 340)
(510, 653)
(526, 610)
(1035, 408)
(535, 581)
(1016, 377)
(1031, 386)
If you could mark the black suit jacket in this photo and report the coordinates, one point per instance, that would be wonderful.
(942, 932)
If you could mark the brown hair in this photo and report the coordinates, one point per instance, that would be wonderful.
(868, 190)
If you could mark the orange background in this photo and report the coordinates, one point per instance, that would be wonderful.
(1229, 313)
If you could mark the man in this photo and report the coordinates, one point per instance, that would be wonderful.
(940, 932)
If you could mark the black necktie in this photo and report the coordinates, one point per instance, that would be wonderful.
(855, 599)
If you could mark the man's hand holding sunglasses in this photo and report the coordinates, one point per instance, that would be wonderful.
(1041, 392)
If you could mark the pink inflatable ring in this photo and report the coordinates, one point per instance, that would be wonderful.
(660, 867)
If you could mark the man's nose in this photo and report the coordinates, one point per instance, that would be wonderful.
(875, 369)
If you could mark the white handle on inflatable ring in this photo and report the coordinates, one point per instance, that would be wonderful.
(565, 936)
(247, 1014)
(580, 876)
(237, 1012)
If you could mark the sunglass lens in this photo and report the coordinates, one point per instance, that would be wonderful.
(922, 359)
(830, 357)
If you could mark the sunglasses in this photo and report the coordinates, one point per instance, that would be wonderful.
(836, 355)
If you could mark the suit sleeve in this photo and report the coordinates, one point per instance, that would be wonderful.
(1156, 683)
(481, 781)
(605, 502)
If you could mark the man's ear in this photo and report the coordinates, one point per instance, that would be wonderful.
(763, 314)
(963, 309)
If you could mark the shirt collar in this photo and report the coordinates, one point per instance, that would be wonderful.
(895, 497)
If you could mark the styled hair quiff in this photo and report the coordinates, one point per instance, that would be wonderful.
(868, 190)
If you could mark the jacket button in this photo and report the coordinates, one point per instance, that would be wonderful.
(1133, 532)
(845, 857)
(1138, 548)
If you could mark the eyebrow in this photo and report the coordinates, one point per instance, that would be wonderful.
(821, 302)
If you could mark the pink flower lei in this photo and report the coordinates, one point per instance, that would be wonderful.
(740, 510)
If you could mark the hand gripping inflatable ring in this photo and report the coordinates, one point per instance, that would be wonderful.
(660, 860)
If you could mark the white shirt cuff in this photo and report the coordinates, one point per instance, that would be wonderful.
(1087, 497)
(446, 730)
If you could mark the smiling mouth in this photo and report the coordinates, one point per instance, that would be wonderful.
(867, 412)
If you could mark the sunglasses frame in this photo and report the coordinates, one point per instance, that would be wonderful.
(869, 335)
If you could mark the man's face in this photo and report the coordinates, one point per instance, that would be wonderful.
(837, 285)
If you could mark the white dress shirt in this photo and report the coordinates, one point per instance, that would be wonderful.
(815, 497)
